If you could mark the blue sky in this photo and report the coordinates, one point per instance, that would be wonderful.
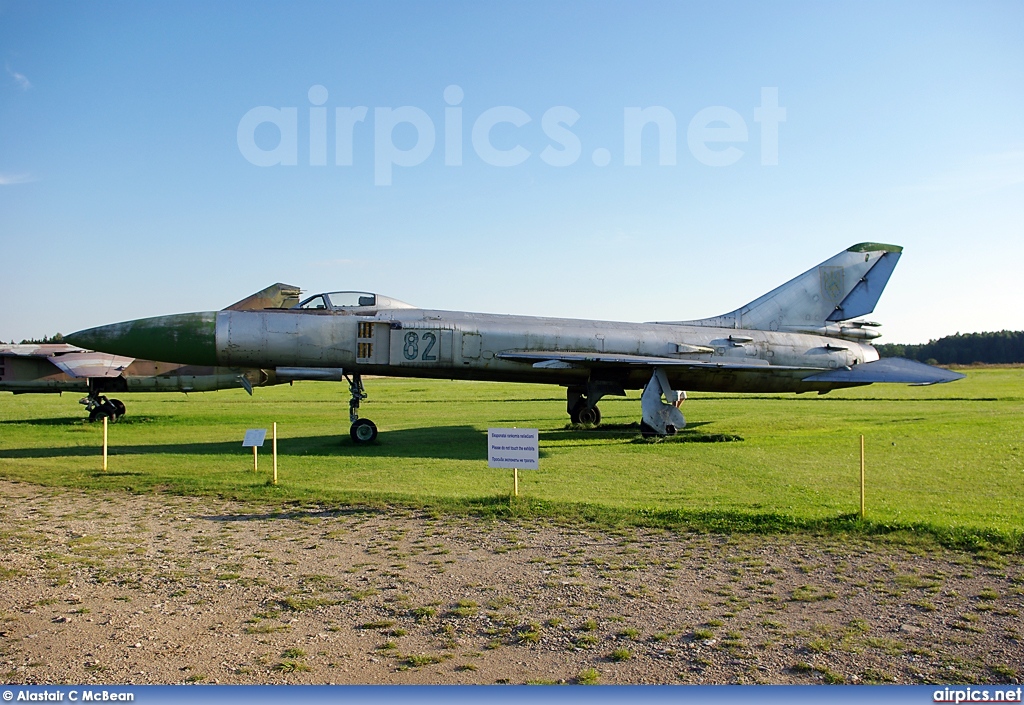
(126, 191)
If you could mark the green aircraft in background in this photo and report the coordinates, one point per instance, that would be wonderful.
(60, 367)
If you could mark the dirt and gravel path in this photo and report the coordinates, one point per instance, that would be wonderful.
(119, 588)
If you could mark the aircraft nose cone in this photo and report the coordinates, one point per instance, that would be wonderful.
(189, 338)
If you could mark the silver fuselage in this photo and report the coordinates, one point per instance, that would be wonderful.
(413, 342)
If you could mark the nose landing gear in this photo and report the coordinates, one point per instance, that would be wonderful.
(362, 430)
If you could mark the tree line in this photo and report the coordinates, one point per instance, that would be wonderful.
(999, 348)
(56, 338)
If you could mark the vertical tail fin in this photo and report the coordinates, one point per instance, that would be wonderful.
(840, 288)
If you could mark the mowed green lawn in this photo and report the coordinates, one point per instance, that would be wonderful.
(945, 460)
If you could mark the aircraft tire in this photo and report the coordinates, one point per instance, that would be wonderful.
(646, 430)
(574, 413)
(110, 409)
(363, 431)
(589, 415)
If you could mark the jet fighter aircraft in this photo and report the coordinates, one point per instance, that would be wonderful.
(804, 336)
(33, 369)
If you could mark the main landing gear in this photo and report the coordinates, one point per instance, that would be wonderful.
(580, 413)
(581, 400)
(362, 430)
(99, 406)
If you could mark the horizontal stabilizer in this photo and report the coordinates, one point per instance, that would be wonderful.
(897, 370)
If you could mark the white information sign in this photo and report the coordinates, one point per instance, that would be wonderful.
(254, 437)
(513, 448)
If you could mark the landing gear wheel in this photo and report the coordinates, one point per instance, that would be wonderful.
(646, 430)
(589, 415)
(101, 407)
(586, 415)
(363, 431)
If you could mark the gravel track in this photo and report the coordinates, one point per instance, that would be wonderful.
(99, 587)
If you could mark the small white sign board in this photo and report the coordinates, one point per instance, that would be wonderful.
(513, 448)
(254, 437)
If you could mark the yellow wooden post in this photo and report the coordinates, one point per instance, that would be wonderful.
(862, 477)
(515, 480)
(104, 444)
(275, 452)
(255, 459)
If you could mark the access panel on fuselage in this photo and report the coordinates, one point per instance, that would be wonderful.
(373, 341)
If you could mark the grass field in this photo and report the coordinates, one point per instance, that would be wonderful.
(944, 462)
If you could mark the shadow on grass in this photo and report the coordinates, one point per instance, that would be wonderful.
(691, 437)
(631, 427)
(68, 421)
(76, 421)
(630, 432)
(443, 442)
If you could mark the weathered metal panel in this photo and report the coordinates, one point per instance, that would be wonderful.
(286, 338)
(471, 346)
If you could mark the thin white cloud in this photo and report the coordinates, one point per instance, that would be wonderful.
(19, 78)
(11, 179)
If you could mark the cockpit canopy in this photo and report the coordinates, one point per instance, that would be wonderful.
(350, 301)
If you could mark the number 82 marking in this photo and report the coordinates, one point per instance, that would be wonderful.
(411, 350)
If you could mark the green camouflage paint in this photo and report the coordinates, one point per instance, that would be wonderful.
(189, 338)
(874, 247)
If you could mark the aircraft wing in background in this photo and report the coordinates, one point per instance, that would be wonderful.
(91, 364)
